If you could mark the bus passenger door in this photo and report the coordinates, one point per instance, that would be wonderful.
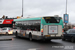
(35, 33)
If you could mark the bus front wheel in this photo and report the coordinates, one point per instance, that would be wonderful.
(6, 33)
(16, 34)
(30, 37)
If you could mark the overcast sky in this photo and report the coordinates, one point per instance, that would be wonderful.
(13, 8)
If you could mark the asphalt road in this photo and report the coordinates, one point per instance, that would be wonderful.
(25, 44)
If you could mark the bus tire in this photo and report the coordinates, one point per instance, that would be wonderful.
(13, 33)
(6, 33)
(30, 37)
(16, 34)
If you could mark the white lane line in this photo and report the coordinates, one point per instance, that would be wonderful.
(33, 48)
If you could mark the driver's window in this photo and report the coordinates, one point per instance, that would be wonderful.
(68, 31)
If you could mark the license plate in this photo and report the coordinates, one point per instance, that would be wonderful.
(47, 35)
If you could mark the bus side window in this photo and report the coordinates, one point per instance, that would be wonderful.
(37, 28)
(32, 29)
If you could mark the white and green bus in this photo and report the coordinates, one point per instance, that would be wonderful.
(39, 28)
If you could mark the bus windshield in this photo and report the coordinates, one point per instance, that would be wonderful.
(52, 19)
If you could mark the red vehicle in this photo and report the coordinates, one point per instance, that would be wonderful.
(6, 23)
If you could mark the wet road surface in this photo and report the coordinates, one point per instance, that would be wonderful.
(25, 44)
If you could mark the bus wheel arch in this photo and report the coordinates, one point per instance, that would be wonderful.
(30, 36)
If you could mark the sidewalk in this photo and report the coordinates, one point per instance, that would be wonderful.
(5, 38)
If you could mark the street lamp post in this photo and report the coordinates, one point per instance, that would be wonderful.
(66, 6)
(22, 8)
(66, 13)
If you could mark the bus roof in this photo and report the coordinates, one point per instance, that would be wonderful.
(39, 18)
(31, 18)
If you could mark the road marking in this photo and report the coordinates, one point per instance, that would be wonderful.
(31, 49)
